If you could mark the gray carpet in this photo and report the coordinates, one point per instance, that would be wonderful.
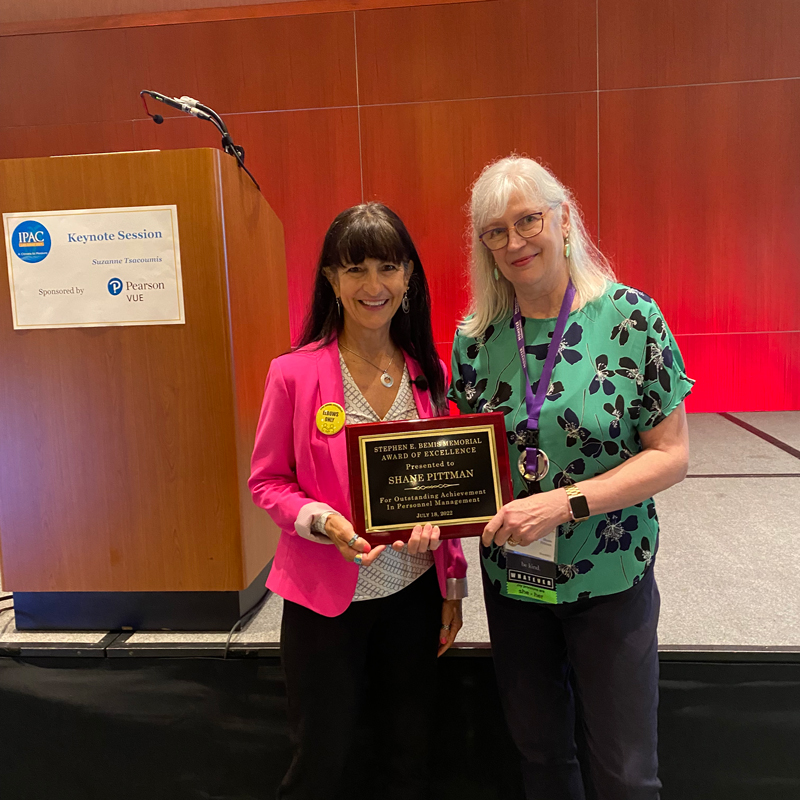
(727, 566)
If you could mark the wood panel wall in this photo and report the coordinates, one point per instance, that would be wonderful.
(51, 16)
(49, 10)
(674, 122)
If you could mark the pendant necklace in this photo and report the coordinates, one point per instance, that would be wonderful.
(386, 379)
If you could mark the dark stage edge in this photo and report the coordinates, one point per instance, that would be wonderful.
(115, 645)
(187, 724)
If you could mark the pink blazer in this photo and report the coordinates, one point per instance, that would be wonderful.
(297, 471)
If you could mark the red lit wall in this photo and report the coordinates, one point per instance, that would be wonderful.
(676, 123)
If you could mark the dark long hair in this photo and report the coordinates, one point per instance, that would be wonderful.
(372, 230)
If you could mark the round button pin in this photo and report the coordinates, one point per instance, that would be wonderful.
(330, 418)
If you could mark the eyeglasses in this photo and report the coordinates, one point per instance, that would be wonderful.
(529, 226)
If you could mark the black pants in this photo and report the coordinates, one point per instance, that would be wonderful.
(373, 668)
(587, 669)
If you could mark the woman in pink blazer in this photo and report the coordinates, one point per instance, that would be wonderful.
(361, 626)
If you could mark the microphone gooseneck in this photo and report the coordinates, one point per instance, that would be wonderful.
(188, 105)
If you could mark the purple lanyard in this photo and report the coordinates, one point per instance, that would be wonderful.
(534, 404)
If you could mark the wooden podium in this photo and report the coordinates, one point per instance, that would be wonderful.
(125, 451)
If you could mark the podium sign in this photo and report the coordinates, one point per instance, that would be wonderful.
(96, 267)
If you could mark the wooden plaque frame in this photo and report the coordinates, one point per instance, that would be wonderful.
(423, 470)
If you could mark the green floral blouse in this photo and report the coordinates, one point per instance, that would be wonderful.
(618, 372)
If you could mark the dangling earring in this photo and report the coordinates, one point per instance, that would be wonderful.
(405, 305)
(567, 248)
(496, 273)
(339, 306)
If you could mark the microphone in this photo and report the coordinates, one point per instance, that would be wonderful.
(157, 118)
(194, 107)
(421, 382)
(173, 102)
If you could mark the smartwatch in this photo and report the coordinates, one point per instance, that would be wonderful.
(578, 507)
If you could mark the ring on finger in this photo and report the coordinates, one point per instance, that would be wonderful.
(512, 541)
(357, 559)
(445, 627)
(353, 540)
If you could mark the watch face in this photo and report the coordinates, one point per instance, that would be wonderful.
(579, 506)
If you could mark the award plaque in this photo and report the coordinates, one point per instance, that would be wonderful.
(449, 471)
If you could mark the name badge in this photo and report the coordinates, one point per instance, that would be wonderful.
(330, 418)
(532, 570)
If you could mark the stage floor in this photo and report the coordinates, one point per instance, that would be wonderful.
(730, 546)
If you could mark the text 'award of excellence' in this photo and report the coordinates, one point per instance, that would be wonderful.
(447, 471)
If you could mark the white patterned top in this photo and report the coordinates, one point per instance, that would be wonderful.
(392, 571)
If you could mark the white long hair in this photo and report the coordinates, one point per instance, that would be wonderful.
(492, 299)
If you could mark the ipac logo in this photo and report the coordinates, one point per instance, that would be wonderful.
(115, 286)
(31, 241)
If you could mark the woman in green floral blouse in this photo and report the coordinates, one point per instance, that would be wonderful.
(570, 594)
